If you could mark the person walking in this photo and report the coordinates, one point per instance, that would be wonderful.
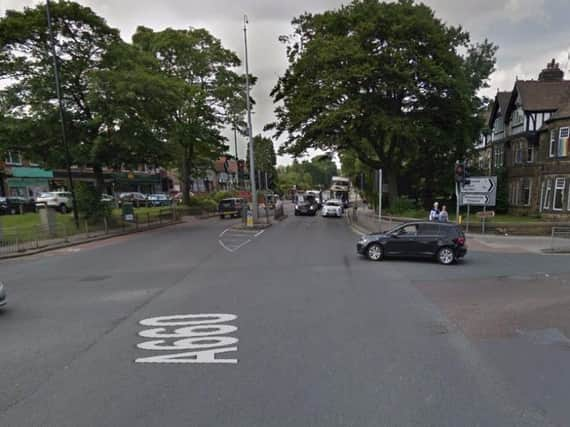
(434, 213)
(443, 215)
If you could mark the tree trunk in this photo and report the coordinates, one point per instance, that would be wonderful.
(392, 186)
(185, 178)
(99, 179)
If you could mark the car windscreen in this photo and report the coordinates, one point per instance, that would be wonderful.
(227, 204)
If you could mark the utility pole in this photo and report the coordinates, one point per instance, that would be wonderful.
(249, 127)
(380, 197)
(237, 157)
(61, 115)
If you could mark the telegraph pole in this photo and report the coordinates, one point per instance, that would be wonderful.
(249, 127)
(61, 115)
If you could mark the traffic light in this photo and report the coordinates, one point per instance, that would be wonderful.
(459, 172)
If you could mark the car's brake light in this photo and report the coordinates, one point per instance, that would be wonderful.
(459, 240)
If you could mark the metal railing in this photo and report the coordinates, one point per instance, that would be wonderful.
(560, 239)
(32, 237)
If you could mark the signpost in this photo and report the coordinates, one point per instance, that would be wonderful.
(479, 191)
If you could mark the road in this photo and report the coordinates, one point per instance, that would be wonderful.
(323, 337)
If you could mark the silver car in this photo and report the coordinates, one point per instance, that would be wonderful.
(3, 300)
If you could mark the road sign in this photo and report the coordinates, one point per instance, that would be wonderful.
(480, 184)
(479, 191)
(475, 199)
(486, 214)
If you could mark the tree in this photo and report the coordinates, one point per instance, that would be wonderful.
(265, 157)
(81, 40)
(211, 93)
(387, 81)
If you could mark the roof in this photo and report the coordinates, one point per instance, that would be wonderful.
(499, 106)
(219, 165)
(563, 112)
(540, 95)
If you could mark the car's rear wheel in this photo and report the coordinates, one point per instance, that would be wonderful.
(445, 256)
(63, 208)
(375, 252)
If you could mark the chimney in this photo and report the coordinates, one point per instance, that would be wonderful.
(552, 73)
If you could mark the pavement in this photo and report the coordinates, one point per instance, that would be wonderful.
(200, 325)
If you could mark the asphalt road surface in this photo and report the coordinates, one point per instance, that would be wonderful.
(301, 332)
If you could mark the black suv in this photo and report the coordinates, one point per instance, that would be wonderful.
(231, 207)
(442, 241)
(306, 205)
(15, 205)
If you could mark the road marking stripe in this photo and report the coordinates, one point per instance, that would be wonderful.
(259, 233)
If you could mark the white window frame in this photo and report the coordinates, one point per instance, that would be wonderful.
(542, 188)
(13, 158)
(553, 148)
(547, 194)
(557, 188)
(566, 131)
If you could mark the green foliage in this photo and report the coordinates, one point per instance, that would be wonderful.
(306, 175)
(401, 205)
(89, 205)
(219, 195)
(388, 82)
(204, 202)
(502, 205)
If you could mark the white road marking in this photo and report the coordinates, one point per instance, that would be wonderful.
(197, 332)
(233, 239)
(259, 233)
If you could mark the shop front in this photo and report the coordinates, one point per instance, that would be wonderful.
(27, 182)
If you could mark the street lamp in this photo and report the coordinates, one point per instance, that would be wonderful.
(249, 127)
(61, 116)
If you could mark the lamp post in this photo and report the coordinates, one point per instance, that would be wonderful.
(61, 115)
(249, 127)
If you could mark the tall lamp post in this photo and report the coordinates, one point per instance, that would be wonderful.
(61, 115)
(249, 129)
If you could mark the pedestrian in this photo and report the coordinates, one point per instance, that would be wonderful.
(443, 215)
(434, 213)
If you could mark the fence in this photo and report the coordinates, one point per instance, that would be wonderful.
(33, 237)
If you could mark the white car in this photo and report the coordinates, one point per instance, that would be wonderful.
(2, 295)
(60, 200)
(332, 208)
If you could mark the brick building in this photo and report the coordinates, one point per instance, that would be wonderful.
(529, 132)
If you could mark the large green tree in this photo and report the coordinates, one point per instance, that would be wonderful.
(265, 159)
(389, 82)
(212, 93)
(81, 41)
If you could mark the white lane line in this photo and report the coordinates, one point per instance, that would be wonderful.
(259, 233)
(224, 246)
(243, 244)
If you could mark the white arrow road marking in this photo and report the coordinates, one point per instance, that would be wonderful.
(233, 239)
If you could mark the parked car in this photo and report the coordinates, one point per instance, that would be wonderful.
(16, 205)
(60, 200)
(306, 205)
(137, 199)
(108, 199)
(332, 208)
(159, 200)
(3, 299)
(443, 241)
(231, 207)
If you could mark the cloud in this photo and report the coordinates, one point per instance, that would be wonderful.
(528, 32)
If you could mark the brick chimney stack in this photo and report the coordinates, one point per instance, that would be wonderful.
(552, 72)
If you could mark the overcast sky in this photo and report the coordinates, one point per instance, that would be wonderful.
(529, 32)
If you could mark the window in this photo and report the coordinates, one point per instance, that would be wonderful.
(408, 230)
(542, 188)
(13, 158)
(547, 194)
(563, 142)
(553, 143)
(529, 158)
(498, 156)
(525, 192)
(559, 186)
(518, 153)
(428, 229)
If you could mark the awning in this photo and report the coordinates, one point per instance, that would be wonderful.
(27, 182)
(27, 172)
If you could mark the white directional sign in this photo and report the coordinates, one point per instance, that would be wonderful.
(480, 191)
(483, 184)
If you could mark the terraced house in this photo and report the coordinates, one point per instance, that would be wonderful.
(529, 137)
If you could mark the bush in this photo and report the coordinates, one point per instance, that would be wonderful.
(402, 205)
(89, 204)
(218, 196)
(205, 203)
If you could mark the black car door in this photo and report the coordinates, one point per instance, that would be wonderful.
(428, 238)
(403, 241)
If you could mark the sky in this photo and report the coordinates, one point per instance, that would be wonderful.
(529, 33)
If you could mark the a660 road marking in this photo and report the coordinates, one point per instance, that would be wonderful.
(202, 338)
